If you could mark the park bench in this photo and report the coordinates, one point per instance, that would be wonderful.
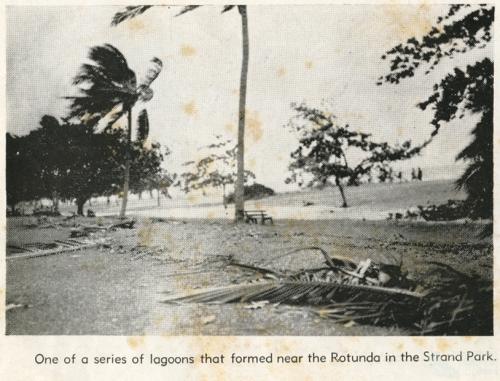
(253, 216)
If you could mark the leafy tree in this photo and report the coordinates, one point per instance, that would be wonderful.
(91, 163)
(324, 147)
(217, 169)
(146, 160)
(133, 11)
(142, 126)
(22, 171)
(109, 87)
(465, 91)
(145, 165)
(162, 182)
(46, 148)
(73, 162)
(67, 161)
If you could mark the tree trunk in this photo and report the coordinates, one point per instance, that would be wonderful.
(158, 196)
(239, 200)
(342, 194)
(126, 175)
(224, 201)
(55, 202)
(80, 202)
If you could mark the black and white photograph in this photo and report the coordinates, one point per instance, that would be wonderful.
(249, 170)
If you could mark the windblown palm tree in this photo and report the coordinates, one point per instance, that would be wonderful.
(108, 87)
(133, 11)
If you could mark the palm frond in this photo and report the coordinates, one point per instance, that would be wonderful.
(104, 83)
(227, 8)
(111, 62)
(142, 126)
(187, 8)
(152, 73)
(82, 105)
(129, 13)
(115, 118)
(295, 292)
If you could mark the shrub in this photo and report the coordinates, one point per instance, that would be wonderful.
(253, 192)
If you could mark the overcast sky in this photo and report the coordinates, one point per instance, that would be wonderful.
(297, 53)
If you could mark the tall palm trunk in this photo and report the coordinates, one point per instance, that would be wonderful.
(240, 178)
(126, 174)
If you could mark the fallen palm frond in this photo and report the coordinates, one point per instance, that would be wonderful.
(295, 292)
(58, 247)
(366, 293)
(85, 230)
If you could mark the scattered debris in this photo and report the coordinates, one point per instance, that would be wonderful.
(46, 211)
(452, 210)
(11, 306)
(154, 220)
(366, 292)
(57, 247)
(208, 319)
(257, 305)
(86, 230)
(128, 224)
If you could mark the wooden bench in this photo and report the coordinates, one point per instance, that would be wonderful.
(252, 216)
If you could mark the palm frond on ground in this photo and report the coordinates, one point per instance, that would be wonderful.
(456, 303)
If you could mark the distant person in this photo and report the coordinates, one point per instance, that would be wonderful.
(419, 174)
(413, 174)
(400, 176)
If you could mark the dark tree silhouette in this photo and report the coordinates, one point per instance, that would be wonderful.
(22, 171)
(465, 91)
(72, 162)
(133, 11)
(109, 87)
(146, 163)
(323, 149)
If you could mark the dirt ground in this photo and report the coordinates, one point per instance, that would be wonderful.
(367, 201)
(117, 288)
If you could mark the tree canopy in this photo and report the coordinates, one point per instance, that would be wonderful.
(324, 147)
(72, 162)
(217, 169)
(108, 88)
(465, 91)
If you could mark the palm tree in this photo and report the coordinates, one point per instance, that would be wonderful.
(108, 87)
(133, 11)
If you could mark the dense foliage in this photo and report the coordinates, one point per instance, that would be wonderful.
(465, 91)
(72, 162)
(108, 88)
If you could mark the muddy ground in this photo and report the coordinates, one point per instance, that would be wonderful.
(117, 288)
